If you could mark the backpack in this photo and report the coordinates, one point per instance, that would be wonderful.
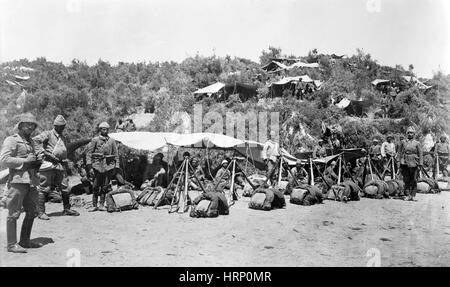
(121, 199)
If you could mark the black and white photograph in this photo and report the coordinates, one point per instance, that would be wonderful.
(224, 133)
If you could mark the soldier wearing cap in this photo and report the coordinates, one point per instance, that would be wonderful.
(442, 152)
(375, 154)
(19, 154)
(388, 150)
(223, 176)
(320, 150)
(52, 173)
(299, 172)
(270, 155)
(411, 159)
(103, 158)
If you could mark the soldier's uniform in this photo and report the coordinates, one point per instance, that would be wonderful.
(103, 156)
(442, 152)
(224, 175)
(411, 157)
(375, 155)
(319, 151)
(52, 174)
(270, 155)
(388, 152)
(22, 182)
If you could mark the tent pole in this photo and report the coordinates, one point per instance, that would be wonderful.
(233, 174)
(437, 167)
(280, 171)
(340, 167)
(370, 168)
(393, 168)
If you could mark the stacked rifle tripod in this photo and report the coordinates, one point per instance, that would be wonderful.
(181, 178)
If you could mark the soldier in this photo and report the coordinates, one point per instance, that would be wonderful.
(375, 154)
(102, 156)
(388, 151)
(411, 159)
(156, 171)
(270, 155)
(442, 153)
(19, 155)
(199, 177)
(224, 175)
(52, 173)
(329, 174)
(299, 172)
(319, 150)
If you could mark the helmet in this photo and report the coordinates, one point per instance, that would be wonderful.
(59, 121)
(27, 118)
(390, 137)
(224, 161)
(103, 125)
(411, 130)
(375, 140)
(160, 155)
(320, 140)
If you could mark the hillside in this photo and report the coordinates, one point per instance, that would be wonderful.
(87, 95)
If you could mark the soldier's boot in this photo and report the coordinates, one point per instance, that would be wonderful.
(41, 207)
(102, 202)
(25, 234)
(413, 194)
(94, 202)
(66, 203)
(11, 237)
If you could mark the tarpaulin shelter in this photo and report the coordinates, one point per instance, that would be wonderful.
(223, 91)
(416, 82)
(377, 82)
(290, 83)
(277, 66)
(155, 142)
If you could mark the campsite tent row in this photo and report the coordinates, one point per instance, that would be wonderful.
(378, 83)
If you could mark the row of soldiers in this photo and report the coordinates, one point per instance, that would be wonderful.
(407, 155)
(37, 165)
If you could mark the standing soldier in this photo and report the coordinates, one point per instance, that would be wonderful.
(411, 159)
(442, 153)
(388, 152)
(270, 155)
(52, 173)
(102, 156)
(375, 154)
(19, 155)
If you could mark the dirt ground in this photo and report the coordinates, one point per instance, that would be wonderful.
(331, 234)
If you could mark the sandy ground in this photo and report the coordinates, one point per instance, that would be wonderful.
(331, 234)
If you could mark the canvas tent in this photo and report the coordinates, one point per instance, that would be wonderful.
(155, 142)
(277, 66)
(223, 91)
(290, 83)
